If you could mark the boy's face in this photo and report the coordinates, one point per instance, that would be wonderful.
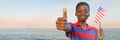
(82, 13)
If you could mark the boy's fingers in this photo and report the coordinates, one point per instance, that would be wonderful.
(64, 13)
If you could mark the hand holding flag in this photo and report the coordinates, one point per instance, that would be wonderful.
(99, 16)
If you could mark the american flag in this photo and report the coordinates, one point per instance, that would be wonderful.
(100, 14)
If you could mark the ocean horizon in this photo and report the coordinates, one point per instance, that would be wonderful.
(47, 34)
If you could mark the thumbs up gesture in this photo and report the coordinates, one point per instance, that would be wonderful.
(62, 21)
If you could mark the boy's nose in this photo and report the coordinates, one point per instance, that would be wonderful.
(83, 13)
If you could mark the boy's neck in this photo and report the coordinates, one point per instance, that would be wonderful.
(83, 24)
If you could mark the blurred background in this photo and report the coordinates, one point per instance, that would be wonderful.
(43, 13)
(35, 19)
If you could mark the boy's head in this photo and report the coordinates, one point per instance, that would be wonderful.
(82, 11)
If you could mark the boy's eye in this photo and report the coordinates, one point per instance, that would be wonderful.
(86, 12)
(79, 11)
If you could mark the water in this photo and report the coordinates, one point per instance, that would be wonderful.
(112, 34)
(46, 34)
(31, 34)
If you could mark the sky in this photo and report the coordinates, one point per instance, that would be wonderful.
(44, 13)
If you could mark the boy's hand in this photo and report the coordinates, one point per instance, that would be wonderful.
(62, 21)
(100, 34)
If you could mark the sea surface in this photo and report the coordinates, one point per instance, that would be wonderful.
(48, 34)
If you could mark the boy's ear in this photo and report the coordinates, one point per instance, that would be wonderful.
(75, 14)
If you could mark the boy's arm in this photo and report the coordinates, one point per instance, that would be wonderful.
(68, 27)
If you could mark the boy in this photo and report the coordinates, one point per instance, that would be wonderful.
(79, 30)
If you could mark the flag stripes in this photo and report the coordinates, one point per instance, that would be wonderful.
(100, 14)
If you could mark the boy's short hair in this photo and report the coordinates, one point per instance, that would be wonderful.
(82, 3)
